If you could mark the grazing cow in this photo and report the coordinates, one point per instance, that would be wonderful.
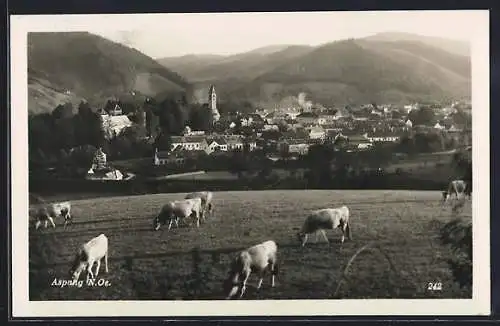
(44, 213)
(456, 187)
(258, 258)
(206, 201)
(176, 210)
(91, 252)
(326, 219)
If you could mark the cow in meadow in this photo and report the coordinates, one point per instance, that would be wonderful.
(88, 254)
(45, 213)
(179, 209)
(326, 219)
(206, 201)
(258, 258)
(457, 188)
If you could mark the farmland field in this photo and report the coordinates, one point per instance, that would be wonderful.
(145, 264)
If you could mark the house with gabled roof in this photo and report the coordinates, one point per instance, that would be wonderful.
(189, 142)
(293, 146)
(234, 142)
(309, 118)
(238, 142)
(438, 126)
(167, 157)
(356, 139)
(216, 144)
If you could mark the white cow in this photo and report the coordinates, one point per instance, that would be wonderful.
(91, 252)
(456, 187)
(45, 213)
(206, 201)
(258, 258)
(326, 219)
(179, 209)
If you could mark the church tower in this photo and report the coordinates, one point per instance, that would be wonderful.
(212, 98)
(212, 103)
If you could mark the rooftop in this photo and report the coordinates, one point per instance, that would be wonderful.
(307, 115)
(188, 139)
(218, 140)
(316, 129)
(383, 134)
(296, 141)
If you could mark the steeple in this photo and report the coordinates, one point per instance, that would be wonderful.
(212, 103)
(99, 161)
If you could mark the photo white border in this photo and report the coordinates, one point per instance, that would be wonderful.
(20, 25)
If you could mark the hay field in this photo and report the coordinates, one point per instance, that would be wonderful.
(145, 264)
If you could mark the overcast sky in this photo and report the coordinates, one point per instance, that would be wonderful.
(164, 35)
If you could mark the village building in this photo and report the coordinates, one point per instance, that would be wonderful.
(234, 142)
(189, 142)
(294, 146)
(216, 144)
(261, 112)
(310, 118)
(269, 127)
(356, 140)
(271, 118)
(113, 122)
(115, 111)
(100, 170)
(167, 157)
(316, 132)
(376, 114)
(177, 157)
(291, 115)
(453, 128)
(238, 142)
(245, 122)
(330, 116)
(438, 126)
(256, 119)
(377, 137)
(188, 132)
(331, 135)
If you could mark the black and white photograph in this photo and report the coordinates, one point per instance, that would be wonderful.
(273, 163)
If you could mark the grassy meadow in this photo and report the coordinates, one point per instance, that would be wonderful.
(400, 227)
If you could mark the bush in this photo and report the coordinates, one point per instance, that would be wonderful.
(458, 235)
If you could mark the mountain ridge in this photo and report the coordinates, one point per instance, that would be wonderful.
(414, 69)
(91, 67)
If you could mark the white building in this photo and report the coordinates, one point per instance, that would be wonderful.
(218, 144)
(188, 132)
(438, 126)
(113, 125)
(316, 133)
(268, 127)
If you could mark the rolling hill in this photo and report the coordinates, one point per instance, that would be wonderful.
(247, 65)
(70, 66)
(452, 46)
(381, 68)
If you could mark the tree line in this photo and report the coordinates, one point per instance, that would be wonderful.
(68, 136)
